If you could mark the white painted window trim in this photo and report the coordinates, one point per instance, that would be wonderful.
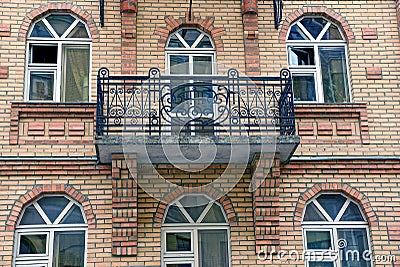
(58, 41)
(315, 44)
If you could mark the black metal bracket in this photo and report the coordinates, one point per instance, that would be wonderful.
(101, 13)
(278, 6)
(190, 10)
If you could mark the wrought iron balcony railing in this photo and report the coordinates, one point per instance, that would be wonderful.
(157, 104)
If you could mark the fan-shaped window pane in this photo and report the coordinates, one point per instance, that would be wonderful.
(205, 43)
(53, 206)
(194, 205)
(331, 204)
(33, 244)
(60, 23)
(189, 35)
(313, 214)
(297, 34)
(175, 42)
(314, 25)
(214, 215)
(73, 216)
(79, 32)
(179, 241)
(31, 217)
(175, 215)
(332, 33)
(352, 213)
(40, 30)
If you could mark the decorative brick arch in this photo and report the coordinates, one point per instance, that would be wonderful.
(346, 189)
(206, 25)
(317, 11)
(57, 7)
(225, 202)
(40, 190)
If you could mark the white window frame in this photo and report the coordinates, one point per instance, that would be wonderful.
(333, 226)
(316, 69)
(60, 42)
(30, 260)
(193, 227)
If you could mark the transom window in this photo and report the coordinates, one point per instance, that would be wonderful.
(190, 52)
(317, 56)
(51, 233)
(58, 60)
(335, 233)
(195, 233)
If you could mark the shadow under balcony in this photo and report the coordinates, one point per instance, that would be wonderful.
(214, 119)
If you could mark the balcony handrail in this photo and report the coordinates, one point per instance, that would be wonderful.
(157, 104)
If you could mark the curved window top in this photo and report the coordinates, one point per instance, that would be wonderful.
(195, 209)
(52, 210)
(59, 26)
(315, 29)
(189, 38)
(333, 208)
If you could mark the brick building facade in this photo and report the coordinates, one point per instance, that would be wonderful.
(72, 193)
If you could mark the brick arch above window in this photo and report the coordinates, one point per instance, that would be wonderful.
(206, 25)
(224, 201)
(361, 199)
(329, 14)
(40, 190)
(43, 10)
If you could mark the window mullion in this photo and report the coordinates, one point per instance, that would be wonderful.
(50, 28)
(198, 40)
(51, 248)
(342, 210)
(196, 246)
(321, 34)
(60, 60)
(205, 211)
(319, 84)
(305, 31)
(42, 213)
(182, 40)
(322, 210)
(63, 212)
(70, 28)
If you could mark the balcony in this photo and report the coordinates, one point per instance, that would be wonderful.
(227, 114)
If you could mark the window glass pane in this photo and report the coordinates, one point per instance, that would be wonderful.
(179, 265)
(175, 215)
(334, 74)
(189, 35)
(314, 25)
(40, 30)
(175, 42)
(304, 87)
(301, 56)
(297, 34)
(352, 213)
(194, 205)
(179, 242)
(320, 264)
(331, 204)
(69, 249)
(320, 240)
(179, 64)
(33, 244)
(60, 23)
(75, 83)
(53, 206)
(41, 85)
(356, 245)
(332, 33)
(313, 214)
(73, 216)
(213, 246)
(78, 32)
(205, 43)
(214, 215)
(202, 65)
(31, 216)
(43, 54)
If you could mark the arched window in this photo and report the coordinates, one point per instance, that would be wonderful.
(58, 60)
(51, 233)
(317, 57)
(190, 52)
(195, 233)
(335, 233)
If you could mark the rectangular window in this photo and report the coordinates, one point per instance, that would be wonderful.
(213, 248)
(318, 240)
(304, 87)
(179, 242)
(41, 85)
(69, 249)
(43, 54)
(301, 56)
(33, 244)
(356, 247)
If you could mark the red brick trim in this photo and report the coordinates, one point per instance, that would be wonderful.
(3, 72)
(346, 189)
(225, 202)
(5, 30)
(128, 6)
(58, 7)
(249, 6)
(206, 25)
(318, 11)
(374, 73)
(40, 190)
